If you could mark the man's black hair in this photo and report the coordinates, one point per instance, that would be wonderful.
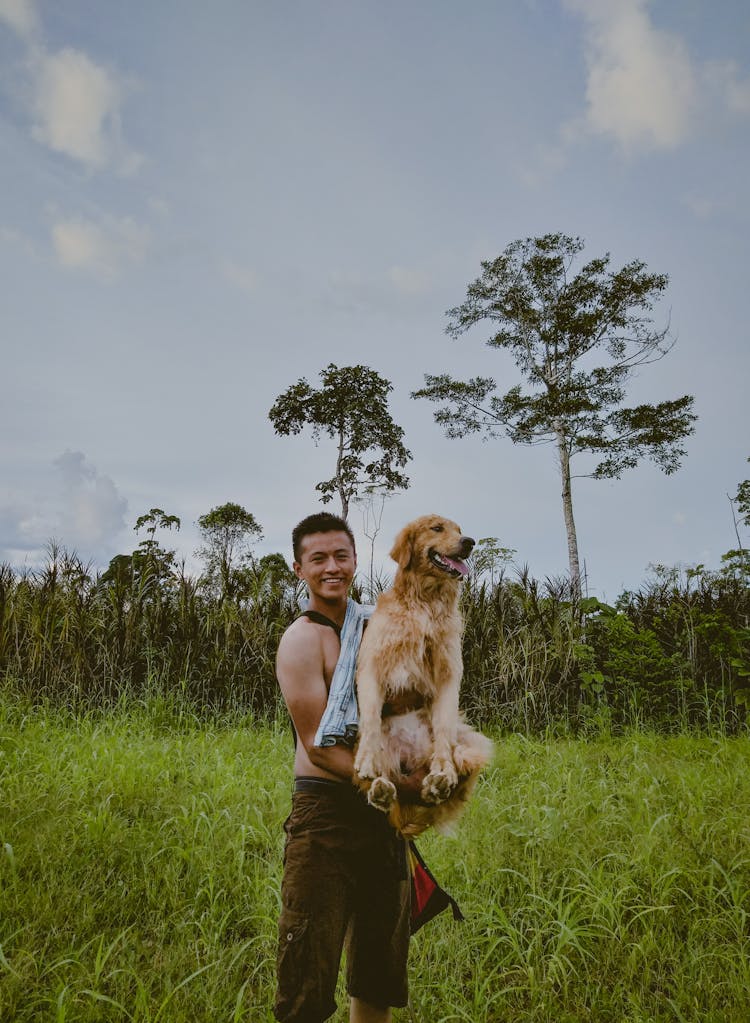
(320, 522)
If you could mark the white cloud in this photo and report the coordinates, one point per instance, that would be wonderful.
(702, 206)
(22, 529)
(398, 287)
(76, 110)
(642, 88)
(101, 248)
(93, 510)
(409, 280)
(243, 277)
(731, 90)
(21, 16)
(72, 503)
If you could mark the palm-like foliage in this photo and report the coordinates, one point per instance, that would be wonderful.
(674, 653)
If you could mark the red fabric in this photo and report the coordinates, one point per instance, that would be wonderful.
(427, 897)
(422, 889)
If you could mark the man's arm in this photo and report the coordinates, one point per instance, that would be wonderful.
(299, 669)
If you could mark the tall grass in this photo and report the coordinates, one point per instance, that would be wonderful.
(674, 654)
(81, 639)
(140, 858)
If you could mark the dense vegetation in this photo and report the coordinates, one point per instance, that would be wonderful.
(140, 856)
(675, 653)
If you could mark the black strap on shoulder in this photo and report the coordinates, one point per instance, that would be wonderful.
(320, 619)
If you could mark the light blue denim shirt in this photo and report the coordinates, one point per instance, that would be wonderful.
(340, 721)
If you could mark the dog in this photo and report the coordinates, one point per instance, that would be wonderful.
(408, 677)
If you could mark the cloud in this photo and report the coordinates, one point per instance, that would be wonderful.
(101, 248)
(76, 110)
(21, 16)
(644, 90)
(92, 511)
(73, 503)
(723, 77)
(22, 529)
(74, 103)
(397, 287)
(702, 206)
(409, 280)
(243, 277)
(642, 86)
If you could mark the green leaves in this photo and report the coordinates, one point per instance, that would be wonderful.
(550, 321)
(576, 339)
(228, 532)
(351, 407)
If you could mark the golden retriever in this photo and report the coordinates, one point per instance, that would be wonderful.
(408, 677)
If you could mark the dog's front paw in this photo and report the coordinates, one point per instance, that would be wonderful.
(438, 785)
(365, 764)
(382, 794)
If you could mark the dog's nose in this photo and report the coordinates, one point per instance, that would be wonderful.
(467, 545)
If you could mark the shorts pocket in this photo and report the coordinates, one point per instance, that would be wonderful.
(291, 955)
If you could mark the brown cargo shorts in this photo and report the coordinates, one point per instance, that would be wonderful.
(346, 883)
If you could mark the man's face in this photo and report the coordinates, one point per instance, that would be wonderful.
(327, 564)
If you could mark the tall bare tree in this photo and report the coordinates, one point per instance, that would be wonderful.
(576, 338)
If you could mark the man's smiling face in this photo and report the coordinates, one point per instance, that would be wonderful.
(327, 564)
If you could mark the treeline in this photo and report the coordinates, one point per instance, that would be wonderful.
(673, 654)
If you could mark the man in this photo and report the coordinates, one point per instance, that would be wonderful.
(345, 869)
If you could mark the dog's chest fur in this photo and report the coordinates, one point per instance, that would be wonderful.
(413, 646)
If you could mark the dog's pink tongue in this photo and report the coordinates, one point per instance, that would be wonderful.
(459, 566)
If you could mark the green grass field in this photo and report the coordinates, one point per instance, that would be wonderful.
(140, 857)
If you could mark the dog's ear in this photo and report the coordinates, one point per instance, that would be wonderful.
(403, 547)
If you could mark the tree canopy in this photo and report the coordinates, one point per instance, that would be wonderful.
(351, 407)
(576, 339)
(150, 564)
(227, 531)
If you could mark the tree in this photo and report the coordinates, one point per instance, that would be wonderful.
(351, 407)
(150, 558)
(372, 505)
(150, 563)
(737, 560)
(228, 532)
(489, 557)
(742, 500)
(576, 338)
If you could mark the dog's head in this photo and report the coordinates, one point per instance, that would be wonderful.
(434, 546)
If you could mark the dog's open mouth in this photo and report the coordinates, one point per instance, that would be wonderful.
(453, 566)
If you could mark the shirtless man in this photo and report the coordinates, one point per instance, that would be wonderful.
(344, 866)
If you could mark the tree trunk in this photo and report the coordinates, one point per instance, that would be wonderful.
(342, 491)
(567, 500)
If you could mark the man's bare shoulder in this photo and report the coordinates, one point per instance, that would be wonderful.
(302, 642)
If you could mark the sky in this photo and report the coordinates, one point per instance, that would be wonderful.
(203, 203)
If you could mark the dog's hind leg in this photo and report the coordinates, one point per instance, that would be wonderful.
(442, 777)
(472, 750)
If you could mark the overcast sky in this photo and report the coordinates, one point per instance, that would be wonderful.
(202, 203)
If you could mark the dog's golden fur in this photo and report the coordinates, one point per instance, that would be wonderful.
(410, 662)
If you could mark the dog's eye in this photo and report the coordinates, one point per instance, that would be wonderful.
(436, 529)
